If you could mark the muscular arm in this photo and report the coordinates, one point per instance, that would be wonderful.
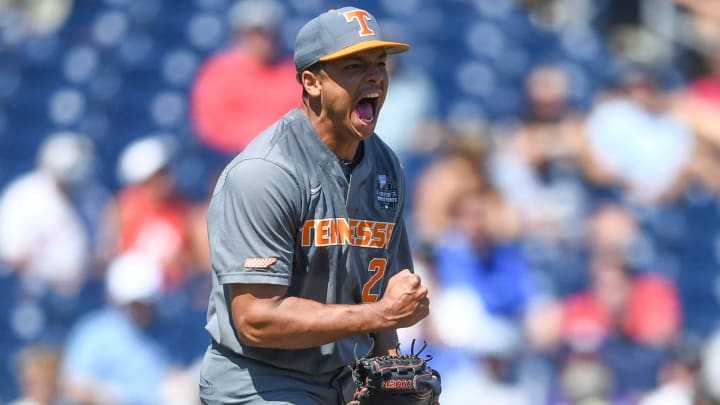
(265, 317)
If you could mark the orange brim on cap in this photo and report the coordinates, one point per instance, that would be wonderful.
(390, 48)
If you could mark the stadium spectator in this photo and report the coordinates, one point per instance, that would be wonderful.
(707, 86)
(538, 166)
(584, 379)
(454, 170)
(241, 90)
(42, 234)
(38, 372)
(110, 356)
(480, 268)
(704, 17)
(23, 21)
(620, 299)
(638, 141)
(698, 105)
(151, 217)
(480, 251)
(184, 312)
(625, 312)
(679, 379)
(623, 316)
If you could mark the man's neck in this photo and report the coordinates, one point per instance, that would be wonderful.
(344, 146)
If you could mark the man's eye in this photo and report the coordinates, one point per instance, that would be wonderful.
(353, 66)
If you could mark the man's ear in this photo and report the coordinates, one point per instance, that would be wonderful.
(311, 83)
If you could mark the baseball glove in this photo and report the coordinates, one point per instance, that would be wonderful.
(396, 380)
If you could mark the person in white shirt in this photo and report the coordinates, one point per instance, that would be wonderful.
(42, 236)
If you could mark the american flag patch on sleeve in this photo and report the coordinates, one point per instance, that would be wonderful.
(259, 262)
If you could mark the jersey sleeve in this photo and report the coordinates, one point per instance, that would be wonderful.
(252, 220)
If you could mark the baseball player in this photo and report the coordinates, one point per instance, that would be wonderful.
(310, 256)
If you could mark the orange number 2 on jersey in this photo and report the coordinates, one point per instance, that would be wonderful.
(376, 266)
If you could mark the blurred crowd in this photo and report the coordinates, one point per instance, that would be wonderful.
(563, 163)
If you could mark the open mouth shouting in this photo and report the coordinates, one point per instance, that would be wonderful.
(367, 108)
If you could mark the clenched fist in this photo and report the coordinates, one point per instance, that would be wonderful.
(405, 301)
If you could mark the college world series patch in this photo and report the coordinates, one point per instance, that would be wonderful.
(386, 193)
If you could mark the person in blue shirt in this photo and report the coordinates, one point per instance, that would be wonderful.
(480, 250)
(484, 286)
(110, 358)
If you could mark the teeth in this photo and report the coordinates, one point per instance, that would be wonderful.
(374, 94)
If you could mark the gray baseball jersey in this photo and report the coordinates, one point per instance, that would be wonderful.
(283, 212)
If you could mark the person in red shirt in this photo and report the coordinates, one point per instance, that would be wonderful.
(240, 91)
(150, 217)
(643, 306)
(620, 300)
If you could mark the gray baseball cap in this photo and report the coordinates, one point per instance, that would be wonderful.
(338, 33)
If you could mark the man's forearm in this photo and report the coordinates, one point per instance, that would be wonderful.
(297, 323)
(265, 316)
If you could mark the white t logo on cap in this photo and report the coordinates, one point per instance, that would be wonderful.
(362, 17)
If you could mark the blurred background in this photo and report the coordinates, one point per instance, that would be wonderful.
(563, 164)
